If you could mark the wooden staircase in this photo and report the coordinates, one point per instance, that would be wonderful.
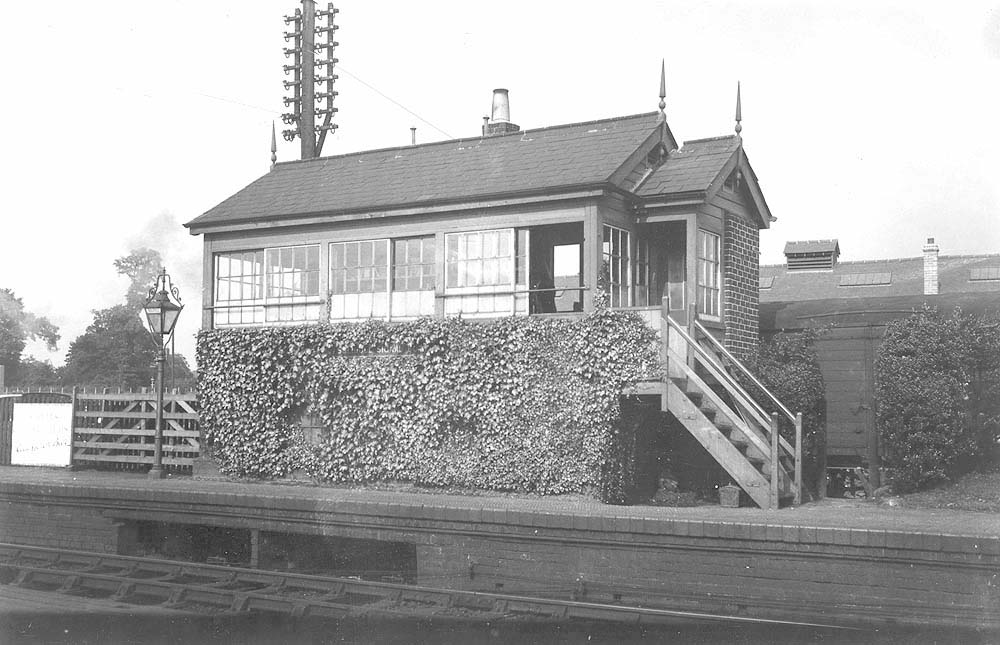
(699, 388)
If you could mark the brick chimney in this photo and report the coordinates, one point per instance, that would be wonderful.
(499, 123)
(931, 267)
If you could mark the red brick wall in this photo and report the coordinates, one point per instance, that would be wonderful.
(741, 281)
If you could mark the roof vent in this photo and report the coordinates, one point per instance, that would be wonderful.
(499, 123)
(812, 255)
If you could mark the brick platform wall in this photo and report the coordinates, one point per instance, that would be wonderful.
(59, 526)
(741, 277)
(605, 555)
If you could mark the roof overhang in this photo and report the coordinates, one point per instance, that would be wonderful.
(507, 199)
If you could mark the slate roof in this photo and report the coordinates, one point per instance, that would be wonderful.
(812, 246)
(855, 279)
(543, 159)
(692, 168)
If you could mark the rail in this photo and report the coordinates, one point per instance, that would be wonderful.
(746, 372)
(224, 589)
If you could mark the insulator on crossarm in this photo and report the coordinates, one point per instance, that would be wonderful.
(332, 110)
(330, 45)
(330, 29)
(292, 52)
(290, 84)
(288, 118)
(328, 61)
(288, 135)
(289, 100)
(325, 95)
(324, 79)
(297, 16)
(290, 68)
(332, 126)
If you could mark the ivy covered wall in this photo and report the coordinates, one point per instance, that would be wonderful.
(525, 404)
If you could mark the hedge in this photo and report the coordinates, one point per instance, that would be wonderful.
(517, 404)
(786, 363)
(937, 381)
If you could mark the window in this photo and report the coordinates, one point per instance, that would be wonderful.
(239, 288)
(413, 264)
(642, 273)
(480, 272)
(267, 285)
(292, 284)
(708, 274)
(413, 277)
(617, 266)
(359, 279)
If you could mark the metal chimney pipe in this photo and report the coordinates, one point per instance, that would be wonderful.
(931, 267)
(413, 136)
(501, 106)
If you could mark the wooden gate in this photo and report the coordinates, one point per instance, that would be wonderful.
(116, 430)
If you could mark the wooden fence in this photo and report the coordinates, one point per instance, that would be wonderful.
(116, 429)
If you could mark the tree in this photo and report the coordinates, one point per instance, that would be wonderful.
(32, 372)
(141, 267)
(17, 326)
(117, 350)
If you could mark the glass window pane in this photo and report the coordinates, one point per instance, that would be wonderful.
(474, 246)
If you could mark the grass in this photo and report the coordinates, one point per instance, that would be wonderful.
(973, 492)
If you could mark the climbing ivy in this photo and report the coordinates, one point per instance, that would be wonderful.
(521, 404)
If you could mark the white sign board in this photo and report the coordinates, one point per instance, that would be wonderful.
(41, 434)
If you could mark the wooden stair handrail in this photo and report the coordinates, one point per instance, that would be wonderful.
(767, 421)
(759, 413)
(753, 379)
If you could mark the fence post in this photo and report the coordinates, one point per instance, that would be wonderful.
(72, 426)
(775, 466)
(665, 336)
(798, 458)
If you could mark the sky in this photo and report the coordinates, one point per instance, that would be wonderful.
(876, 123)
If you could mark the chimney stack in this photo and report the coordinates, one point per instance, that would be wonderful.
(413, 136)
(499, 123)
(931, 267)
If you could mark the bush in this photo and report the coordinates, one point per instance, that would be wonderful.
(936, 382)
(787, 365)
(522, 404)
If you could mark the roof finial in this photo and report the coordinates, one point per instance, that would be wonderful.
(739, 112)
(663, 88)
(274, 147)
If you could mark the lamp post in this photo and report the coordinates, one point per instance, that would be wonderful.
(161, 310)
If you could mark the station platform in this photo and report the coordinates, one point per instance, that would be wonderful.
(841, 514)
(845, 559)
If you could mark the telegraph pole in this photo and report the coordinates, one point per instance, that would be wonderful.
(305, 78)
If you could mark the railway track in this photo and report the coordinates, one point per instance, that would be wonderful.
(217, 590)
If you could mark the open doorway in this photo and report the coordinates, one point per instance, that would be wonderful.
(555, 261)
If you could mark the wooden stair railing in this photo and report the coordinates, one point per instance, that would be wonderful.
(739, 434)
(794, 452)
